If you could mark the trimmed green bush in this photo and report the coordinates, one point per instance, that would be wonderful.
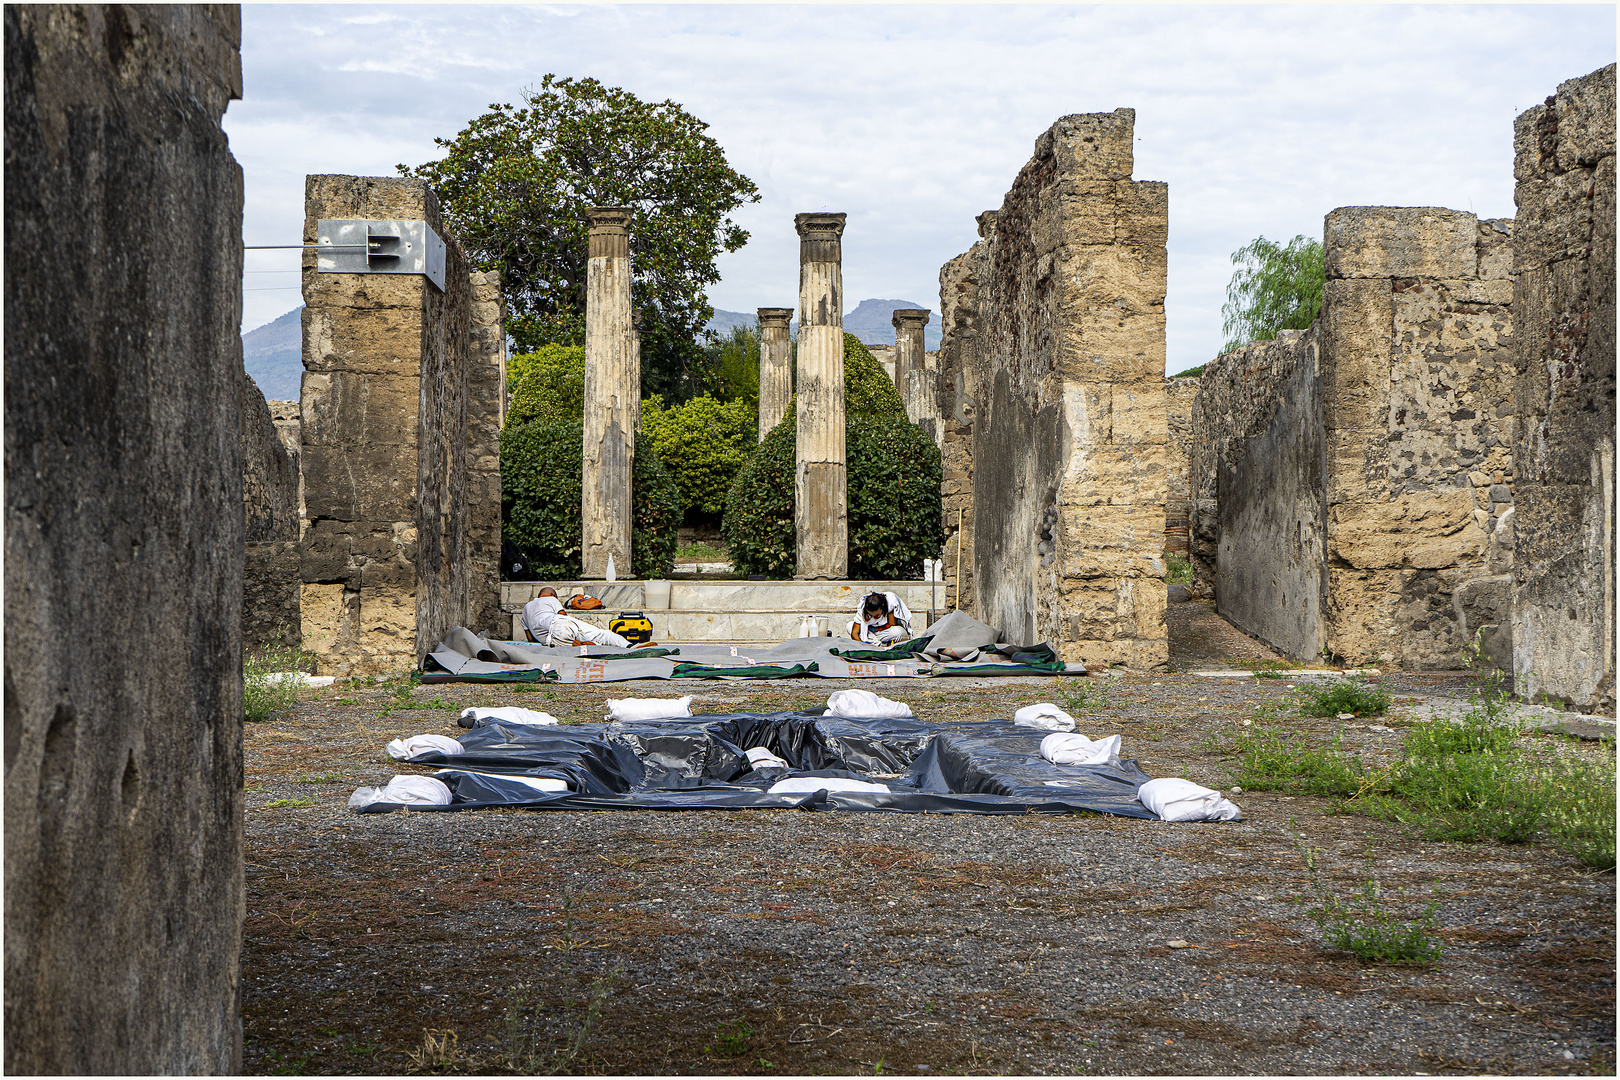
(548, 384)
(541, 465)
(894, 479)
(703, 444)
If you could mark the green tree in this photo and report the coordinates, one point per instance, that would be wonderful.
(702, 443)
(547, 384)
(734, 366)
(516, 183)
(1277, 287)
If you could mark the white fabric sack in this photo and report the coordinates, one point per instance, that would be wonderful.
(405, 749)
(1174, 799)
(761, 758)
(806, 784)
(1067, 748)
(409, 790)
(649, 708)
(509, 713)
(1045, 716)
(865, 705)
(300, 678)
(539, 783)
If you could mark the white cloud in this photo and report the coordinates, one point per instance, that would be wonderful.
(913, 119)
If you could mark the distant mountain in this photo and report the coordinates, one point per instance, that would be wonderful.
(871, 321)
(273, 356)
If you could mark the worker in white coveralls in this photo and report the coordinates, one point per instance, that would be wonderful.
(881, 619)
(545, 624)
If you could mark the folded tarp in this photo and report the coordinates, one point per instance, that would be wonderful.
(464, 656)
(703, 762)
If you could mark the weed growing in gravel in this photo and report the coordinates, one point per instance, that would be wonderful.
(1352, 695)
(438, 703)
(1178, 571)
(731, 1040)
(1091, 694)
(1580, 816)
(438, 1052)
(320, 778)
(1364, 927)
(278, 803)
(1269, 673)
(270, 683)
(1271, 759)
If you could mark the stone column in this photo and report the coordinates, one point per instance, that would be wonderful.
(612, 396)
(775, 366)
(908, 342)
(821, 503)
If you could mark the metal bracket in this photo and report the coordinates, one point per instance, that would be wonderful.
(358, 246)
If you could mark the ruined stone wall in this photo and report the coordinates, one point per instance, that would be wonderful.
(1179, 395)
(957, 390)
(270, 587)
(1417, 397)
(123, 541)
(387, 561)
(1563, 435)
(1238, 395)
(1069, 436)
(486, 414)
(1271, 564)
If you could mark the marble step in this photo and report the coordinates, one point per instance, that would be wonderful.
(711, 626)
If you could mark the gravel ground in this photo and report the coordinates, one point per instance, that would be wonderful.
(784, 942)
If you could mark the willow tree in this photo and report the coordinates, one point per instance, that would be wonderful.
(515, 184)
(1277, 287)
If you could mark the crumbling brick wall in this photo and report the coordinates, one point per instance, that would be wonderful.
(1563, 435)
(1362, 471)
(1069, 440)
(396, 473)
(124, 541)
(959, 314)
(270, 587)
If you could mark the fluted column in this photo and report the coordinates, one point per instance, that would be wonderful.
(612, 396)
(775, 366)
(821, 502)
(908, 342)
(912, 375)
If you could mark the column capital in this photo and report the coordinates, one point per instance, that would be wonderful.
(819, 226)
(775, 316)
(910, 317)
(610, 217)
(610, 232)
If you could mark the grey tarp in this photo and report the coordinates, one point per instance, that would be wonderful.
(965, 649)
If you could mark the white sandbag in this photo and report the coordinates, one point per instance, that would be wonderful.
(1046, 716)
(649, 708)
(511, 714)
(408, 790)
(1067, 748)
(761, 758)
(1174, 799)
(806, 784)
(405, 749)
(300, 678)
(539, 783)
(865, 705)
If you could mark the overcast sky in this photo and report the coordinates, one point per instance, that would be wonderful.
(912, 119)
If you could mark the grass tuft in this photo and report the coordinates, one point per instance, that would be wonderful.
(1352, 695)
(269, 685)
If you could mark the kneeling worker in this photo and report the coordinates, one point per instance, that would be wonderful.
(545, 624)
(881, 619)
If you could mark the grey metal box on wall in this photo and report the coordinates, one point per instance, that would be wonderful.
(359, 246)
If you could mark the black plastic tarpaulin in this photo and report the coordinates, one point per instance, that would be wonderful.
(989, 767)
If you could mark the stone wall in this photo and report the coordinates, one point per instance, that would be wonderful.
(958, 392)
(1402, 389)
(270, 499)
(1179, 395)
(486, 415)
(397, 478)
(1563, 435)
(1069, 437)
(123, 541)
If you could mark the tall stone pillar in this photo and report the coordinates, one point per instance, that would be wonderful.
(775, 366)
(821, 504)
(612, 396)
(908, 342)
(912, 375)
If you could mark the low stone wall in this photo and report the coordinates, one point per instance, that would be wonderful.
(124, 538)
(1564, 425)
(270, 498)
(1069, 439)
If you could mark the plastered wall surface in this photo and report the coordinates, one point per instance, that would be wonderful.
(124, 542)
(387, 455)
(1069, 442)
(1564, 418)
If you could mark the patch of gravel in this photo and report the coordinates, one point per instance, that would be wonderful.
(787, 942)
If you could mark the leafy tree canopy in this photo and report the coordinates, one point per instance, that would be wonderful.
(1276, 287)
(516, 183)
(733, 370)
